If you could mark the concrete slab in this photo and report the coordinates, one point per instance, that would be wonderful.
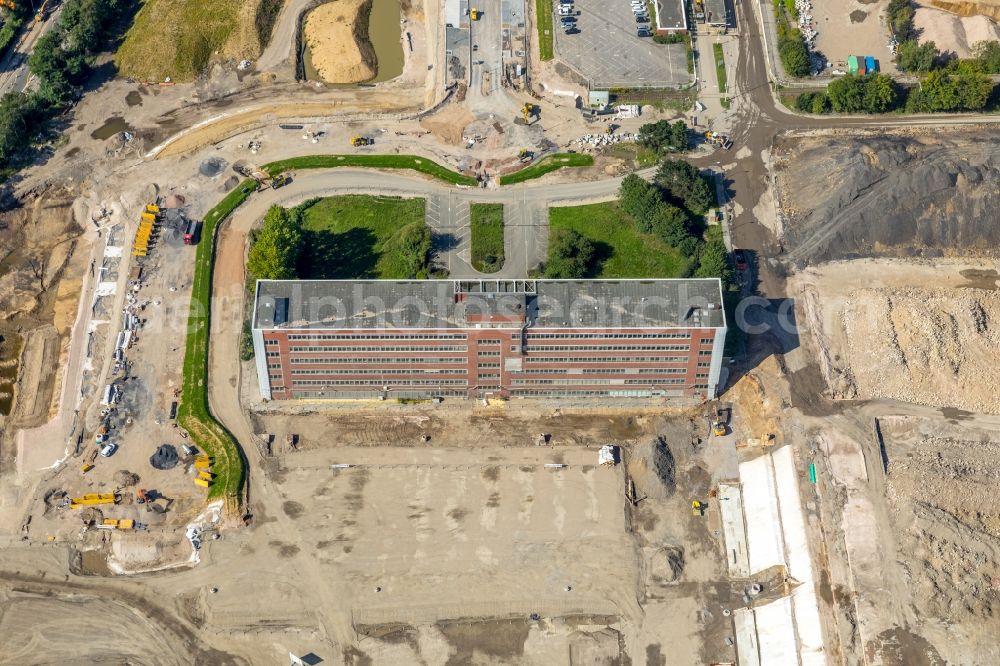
(747, 649)
(734, 530)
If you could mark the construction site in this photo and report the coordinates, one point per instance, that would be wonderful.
(835, 505)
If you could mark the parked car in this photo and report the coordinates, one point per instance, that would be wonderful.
(642, 19)
(740, 259)
(109, 450)
(567, 20)
(570, 30)
(643, 32)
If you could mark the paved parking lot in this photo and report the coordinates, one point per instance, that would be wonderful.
(608, 53)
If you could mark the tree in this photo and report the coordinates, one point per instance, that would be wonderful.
(670, 224)
(846, 94)
(664, 136)
(276, 247)
(879, 93)
(714, 261)
(900, 14)
(17, 113)
(639, 199)
(987, 54)
(413, 245)
(961, 88)
(570, 255)
(912, 56)
(820, 103)
(683, 184)
(793, 52)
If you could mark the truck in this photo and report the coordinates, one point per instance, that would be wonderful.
(192, 234)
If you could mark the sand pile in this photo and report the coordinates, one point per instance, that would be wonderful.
(927, 346)
(336, 34)
(954, 33)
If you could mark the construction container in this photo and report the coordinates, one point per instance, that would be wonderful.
(193, 233)
(205, 474)
(204, 483)
(870, 64)
(852, 64)
(202, 462)
(862, 70)
(92, 499)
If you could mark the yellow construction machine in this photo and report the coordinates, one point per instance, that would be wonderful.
(94, 499)
(698, 507)
(474, 14)
(359, 140)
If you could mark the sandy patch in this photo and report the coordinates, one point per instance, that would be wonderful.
(954, 33)
(335, 35)
(449, 123)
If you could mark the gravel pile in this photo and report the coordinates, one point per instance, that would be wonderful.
(164, 458)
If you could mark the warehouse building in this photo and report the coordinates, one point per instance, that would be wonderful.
(330, 339)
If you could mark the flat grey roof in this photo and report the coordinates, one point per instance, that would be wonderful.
(402, 304)
(670, 15)
(717, 12)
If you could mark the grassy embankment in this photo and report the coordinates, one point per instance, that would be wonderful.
(486, 221)
(354, 237)
(420, 164)
(623, 251)
(194, 414)
(543, 17)
(547, 165)
(720, 73)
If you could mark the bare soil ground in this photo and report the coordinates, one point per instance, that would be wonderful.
(888, 194)
(476, 553)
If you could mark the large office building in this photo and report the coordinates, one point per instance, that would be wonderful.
(330, 339)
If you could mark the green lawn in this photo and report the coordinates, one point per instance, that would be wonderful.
(194, 414)
(547, 165)
(487, 237)
(543, 18)
(622, 250)
(351, 237)
(720, 67)
(421, 164)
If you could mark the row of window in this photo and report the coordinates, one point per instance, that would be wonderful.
(380, 360)
(608, 336)
(377, 382)
(594, 382)
(380, 336)
(378, 372)
(605, 359)
(535, 348)
(456, 348)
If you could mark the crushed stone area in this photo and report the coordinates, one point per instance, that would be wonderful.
(923, 346)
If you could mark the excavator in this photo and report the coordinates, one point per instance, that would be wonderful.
(527, 111)
(359, 140)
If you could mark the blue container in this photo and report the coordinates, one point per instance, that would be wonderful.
(870, 64)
